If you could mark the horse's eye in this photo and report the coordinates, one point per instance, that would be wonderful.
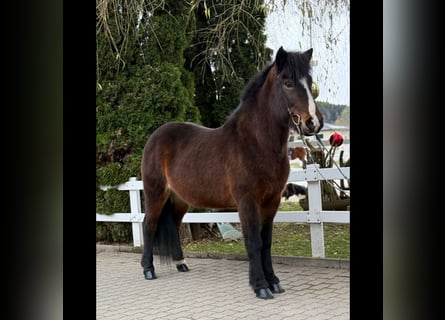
(289, 84)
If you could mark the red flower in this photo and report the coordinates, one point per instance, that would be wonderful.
(336, 139)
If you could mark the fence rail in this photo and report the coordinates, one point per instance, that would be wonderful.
(314, 216)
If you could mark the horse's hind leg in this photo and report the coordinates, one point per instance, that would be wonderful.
(180, 208)
(154, 204)
(147, 256)
(161, 230)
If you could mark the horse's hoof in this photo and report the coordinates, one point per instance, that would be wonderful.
(182, 267)
(276, 288)
(264, 293)
(150, 274)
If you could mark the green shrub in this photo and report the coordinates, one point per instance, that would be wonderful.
(114, 232)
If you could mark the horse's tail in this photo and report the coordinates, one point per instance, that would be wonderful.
(167, 242)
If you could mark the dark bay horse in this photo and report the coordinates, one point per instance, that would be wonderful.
(242, 165)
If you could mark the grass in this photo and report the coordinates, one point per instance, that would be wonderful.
(289, 239)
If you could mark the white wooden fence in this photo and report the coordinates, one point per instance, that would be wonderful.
(314, 216)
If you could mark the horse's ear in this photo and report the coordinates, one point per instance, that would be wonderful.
(308, 54)
(281, 58)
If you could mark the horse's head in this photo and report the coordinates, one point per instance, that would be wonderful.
(295, 82)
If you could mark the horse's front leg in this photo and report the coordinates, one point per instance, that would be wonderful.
(250, 223)
(266, 256)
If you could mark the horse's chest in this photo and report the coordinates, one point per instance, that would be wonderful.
(269, 177)
(275, 171)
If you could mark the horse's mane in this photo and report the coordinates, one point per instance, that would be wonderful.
(295, 62)
(255, 84)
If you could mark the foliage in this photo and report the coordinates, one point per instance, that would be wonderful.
(163, 60)
(141, 84)
(112, 201)
(225, 62)
(325, 159)
(113, 232)
(152, 88)
(344, 117)
(117, 21)
(331, 112)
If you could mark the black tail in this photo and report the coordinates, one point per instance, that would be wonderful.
(167, 243)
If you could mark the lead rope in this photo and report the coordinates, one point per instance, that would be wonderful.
(310, 158)
(311, 161)
(326, 150)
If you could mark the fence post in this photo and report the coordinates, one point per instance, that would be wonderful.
(135, 207)
(313, 215)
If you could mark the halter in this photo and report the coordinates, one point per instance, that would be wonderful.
(296, 123)
(293, 116)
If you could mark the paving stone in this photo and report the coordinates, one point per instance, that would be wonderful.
(215, 289)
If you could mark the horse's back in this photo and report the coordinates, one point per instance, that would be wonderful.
(174, 132)
(175, 137)
(188, 158)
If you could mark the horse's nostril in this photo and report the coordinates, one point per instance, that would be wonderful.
(310, 124)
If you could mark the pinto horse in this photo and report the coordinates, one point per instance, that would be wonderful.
(182, 161)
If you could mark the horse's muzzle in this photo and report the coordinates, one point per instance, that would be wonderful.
(311, 127)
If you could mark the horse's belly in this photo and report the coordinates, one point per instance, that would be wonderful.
(211, 196)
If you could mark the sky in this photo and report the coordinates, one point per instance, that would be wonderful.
(331, 66)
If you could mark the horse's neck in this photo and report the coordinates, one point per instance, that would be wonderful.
(262, 127)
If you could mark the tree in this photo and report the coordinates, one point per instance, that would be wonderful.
(162, 60)
(227, 20)
(331, 112)
(138, 89)
(224, 64)
(344, 117)
(151, 88)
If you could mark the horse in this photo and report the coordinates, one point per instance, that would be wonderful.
(299, 153)
(246, 155)
(293, 189)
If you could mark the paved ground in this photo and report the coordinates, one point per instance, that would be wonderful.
(215, 289)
